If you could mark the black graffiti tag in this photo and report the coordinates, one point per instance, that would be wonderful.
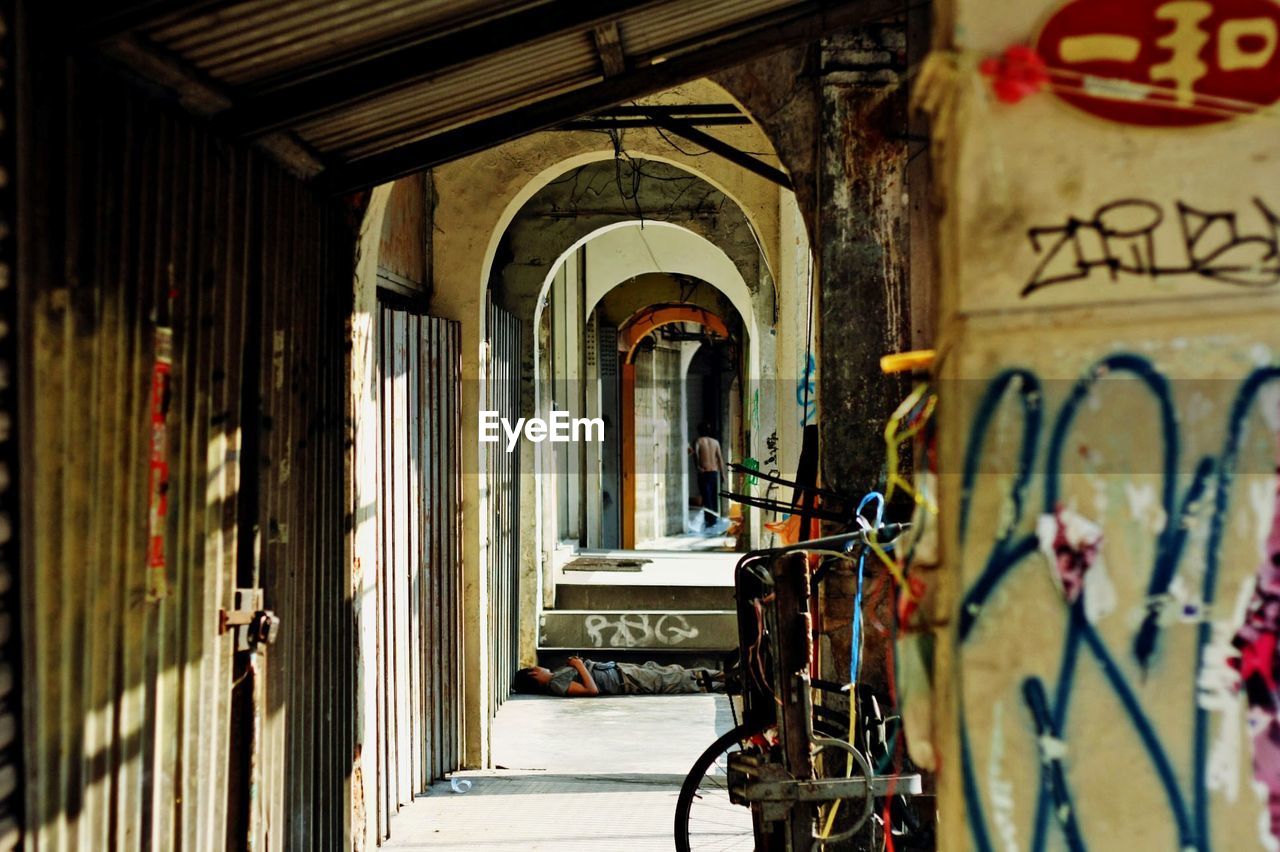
(1121, 239)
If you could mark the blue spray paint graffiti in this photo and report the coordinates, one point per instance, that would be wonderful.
(1049, 708)
(807, 393)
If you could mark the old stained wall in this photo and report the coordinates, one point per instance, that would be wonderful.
(404, 253)
(1110, 429)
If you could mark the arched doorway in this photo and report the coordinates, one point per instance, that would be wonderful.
(647, 326)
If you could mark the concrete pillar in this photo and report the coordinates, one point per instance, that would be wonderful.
(863, 252)
(863, 287)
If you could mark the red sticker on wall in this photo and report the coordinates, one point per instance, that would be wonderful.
(1165, 63)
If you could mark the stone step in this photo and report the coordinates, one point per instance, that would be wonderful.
(664, 598)
(632, 629)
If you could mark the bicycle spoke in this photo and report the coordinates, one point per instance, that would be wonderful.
(715, 823)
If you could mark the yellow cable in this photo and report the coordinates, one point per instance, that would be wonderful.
(893, 440)
(848, 764)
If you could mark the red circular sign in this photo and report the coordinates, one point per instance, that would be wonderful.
(1164, 63)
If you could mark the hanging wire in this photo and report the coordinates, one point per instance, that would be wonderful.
(672, 143)
(855, 629)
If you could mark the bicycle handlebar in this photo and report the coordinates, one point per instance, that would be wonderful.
(845, 542)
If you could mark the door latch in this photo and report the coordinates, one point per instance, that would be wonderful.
(253, 624)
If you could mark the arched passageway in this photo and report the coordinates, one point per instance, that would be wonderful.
(608, 292)
(250, 416)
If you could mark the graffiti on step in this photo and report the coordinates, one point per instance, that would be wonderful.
(1226, 687)
(1136, 238)
(638, 629)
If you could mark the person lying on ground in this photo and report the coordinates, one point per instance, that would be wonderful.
(584, 678)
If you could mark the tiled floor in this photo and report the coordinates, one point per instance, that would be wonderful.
(588, 774)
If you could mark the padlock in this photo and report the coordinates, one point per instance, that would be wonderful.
(264, 628)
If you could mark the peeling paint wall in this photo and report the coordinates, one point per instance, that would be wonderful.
(1111, 424)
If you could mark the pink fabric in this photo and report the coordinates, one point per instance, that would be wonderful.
(1072, 559)
(1259, 665)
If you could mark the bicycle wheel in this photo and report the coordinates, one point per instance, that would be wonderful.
(705, 818)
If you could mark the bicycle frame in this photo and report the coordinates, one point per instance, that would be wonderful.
(773, 590)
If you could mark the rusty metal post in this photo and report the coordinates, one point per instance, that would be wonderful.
(793, 646)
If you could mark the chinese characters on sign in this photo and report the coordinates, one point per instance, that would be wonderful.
(1165, 63)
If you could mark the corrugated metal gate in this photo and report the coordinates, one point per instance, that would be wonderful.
(419, 665)
(502, 391)
(184, 303)
(10, 607)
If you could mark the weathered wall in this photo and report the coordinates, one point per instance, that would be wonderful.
(649, 288)
(797, 394)
(1110, 428)
(600, 194)
(183, 302)
(863, 296)
(404, 253)
(837, 112)
(659, 501)
(780, 92)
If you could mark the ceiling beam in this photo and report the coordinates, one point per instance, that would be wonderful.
(805, 22)
(646, 110)
(204, 97)
(605, 122)
(686, 130)
(99, 21)
(429, 55)
(609, 48)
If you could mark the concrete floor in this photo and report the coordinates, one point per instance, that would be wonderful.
(587, 774)
(692, 542)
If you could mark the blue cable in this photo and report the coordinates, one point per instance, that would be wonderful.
(855, 656)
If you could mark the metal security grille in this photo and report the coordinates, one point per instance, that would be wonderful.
(503, 469)
(608, 346)
(419, 668)
(183, 316)
(610, 458)
(11, 789)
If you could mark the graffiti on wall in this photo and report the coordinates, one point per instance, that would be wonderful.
(1236, 647)
(638, 629)
(807, 392)
(1127, 239)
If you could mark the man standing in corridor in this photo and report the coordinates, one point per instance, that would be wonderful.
(706, 454)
